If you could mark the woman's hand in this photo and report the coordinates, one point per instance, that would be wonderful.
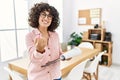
(40, 44)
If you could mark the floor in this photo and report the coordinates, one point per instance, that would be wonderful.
(105, 73)
(111, 73)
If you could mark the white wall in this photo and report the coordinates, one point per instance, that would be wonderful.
(32, 2)
(67, 19)
(110, 14)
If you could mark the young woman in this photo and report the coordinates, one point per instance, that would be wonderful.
(43, 43)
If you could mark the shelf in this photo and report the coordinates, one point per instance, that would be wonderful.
(100, 44)
(97, 41)
(106, 54)
(97, 34)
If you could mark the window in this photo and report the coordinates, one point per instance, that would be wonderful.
(13, 28)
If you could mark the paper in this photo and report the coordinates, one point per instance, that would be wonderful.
(95, 11)
(94, 15)
(71, 53)
(95, 21)
(82, 21)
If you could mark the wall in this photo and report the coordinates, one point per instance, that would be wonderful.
(32, 2)
(110, 14)
(67, 19)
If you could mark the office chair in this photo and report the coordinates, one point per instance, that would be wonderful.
(76, 73)
(14, 75)
(91, 68)
(86, 45)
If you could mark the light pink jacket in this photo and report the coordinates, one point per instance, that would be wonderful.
(52, 52)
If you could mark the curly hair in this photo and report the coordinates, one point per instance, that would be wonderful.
(41, 7)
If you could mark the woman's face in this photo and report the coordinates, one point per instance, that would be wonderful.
(45, 19)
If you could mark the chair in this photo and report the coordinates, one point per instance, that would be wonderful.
(14, 76)
(76, 73)
(91, 68)
(64, 46)
(86, 45)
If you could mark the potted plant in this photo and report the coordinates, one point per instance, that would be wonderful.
(75, 39)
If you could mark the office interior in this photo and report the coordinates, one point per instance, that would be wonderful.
(14, 48)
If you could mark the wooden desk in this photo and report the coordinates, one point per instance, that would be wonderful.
(21, 65)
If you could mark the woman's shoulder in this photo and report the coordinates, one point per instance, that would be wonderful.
(53, 33)
(33, 32)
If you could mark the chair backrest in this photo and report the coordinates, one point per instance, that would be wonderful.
(91, 66)
(77, 72)
(12, 74)
(64, 46)
(86, 45)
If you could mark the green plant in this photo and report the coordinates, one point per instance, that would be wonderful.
(75, 39)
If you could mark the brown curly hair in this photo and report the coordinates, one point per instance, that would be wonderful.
(41, 7)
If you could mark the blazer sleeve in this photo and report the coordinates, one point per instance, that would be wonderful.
(34, 55)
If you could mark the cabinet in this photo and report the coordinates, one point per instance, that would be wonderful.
(100, 43)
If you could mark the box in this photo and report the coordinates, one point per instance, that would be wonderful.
(98, 46)
(95, 36)
(85, 35)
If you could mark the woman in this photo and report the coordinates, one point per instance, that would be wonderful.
(43, 43)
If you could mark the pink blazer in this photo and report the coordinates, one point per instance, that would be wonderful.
(52, 52)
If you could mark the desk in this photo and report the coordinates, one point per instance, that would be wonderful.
(21, 65)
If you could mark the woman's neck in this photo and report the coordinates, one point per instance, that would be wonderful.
(44, 32)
